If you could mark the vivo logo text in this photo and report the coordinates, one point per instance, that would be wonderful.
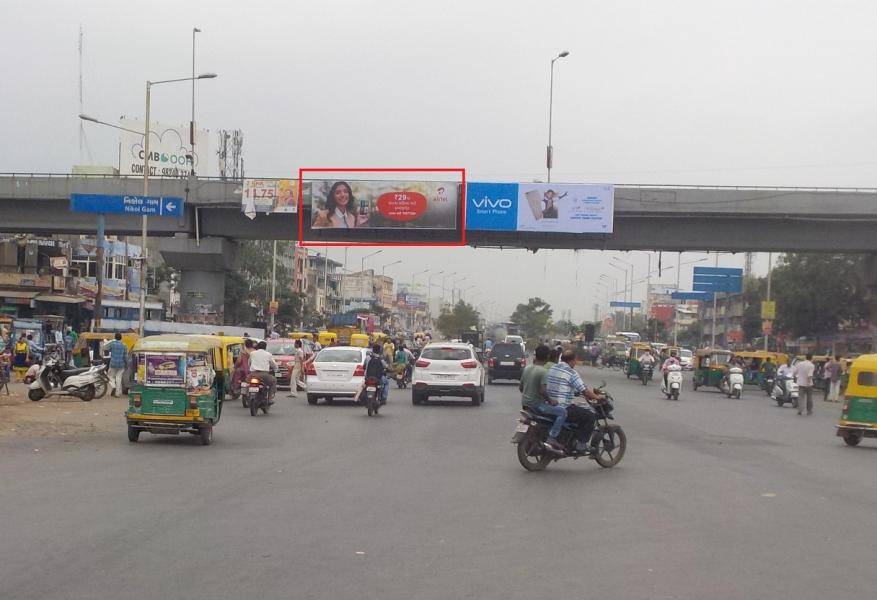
(491, 203)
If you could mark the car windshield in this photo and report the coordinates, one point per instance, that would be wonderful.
(339, 355)
(686, 354)
(446, 353)
(512, 350)
(281, 348)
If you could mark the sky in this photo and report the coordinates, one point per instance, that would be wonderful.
(767, 92)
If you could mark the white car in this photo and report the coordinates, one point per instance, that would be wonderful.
(448, 369)
(337, 372)
(686, 359)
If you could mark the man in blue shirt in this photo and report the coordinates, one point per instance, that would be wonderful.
(118, 360)
(562, 384)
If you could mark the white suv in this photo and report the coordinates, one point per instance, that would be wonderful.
(448, 369)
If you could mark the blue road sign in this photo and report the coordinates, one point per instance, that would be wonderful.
(692, 295)
(615, 304)
(154, 206)
(718, 279)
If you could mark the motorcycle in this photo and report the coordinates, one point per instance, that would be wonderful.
(785, 391)
(732, 385)
(257, 396)
(372, 395)
(402, 375)
(53, 380)
(673, 384)
(531, 436)
(646, 372)
(767, 384)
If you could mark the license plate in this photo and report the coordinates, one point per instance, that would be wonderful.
(507, 363)
(335, 374)
(522, 428)
(163, 402)
(445, 377)
(371, 389)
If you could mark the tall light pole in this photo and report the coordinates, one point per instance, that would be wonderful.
(144, 222)
(192, 123)
(443, 285)
(454, 289)
(384, 268)
(549, 154)
(623, 270)
(362, 272)
(429, 293)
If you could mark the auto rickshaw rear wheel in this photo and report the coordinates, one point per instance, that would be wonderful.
(852, 438)
(205, 433)
(133, 434)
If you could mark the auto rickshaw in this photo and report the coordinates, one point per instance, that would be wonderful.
(178, 386)
(753, 374)
(360, 340)
(710, 366)
(379, 337)
(232, 347)
(632, 367)
(858, 417)
(93, 342)
(298, 335)
(327, 338)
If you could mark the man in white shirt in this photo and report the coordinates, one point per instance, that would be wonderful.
(803, 373)
(261, 364)
(297, 369)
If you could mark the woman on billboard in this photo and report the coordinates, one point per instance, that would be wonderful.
(341, 210)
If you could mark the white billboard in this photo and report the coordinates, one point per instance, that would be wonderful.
(565, 207)
(169, 148)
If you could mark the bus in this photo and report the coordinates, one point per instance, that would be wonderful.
(631, 336)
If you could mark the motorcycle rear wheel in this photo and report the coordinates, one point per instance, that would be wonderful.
(532, 456)
(611, 447)
(254, 406)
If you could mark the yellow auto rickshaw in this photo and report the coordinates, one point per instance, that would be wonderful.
(755, 360)
(379, 337)
(232, 348)
(360, 340)
(327, 338)
(637, 349)
(298, 335)
(710, 366)
(858, 417)
(89, 346)
(177, 386)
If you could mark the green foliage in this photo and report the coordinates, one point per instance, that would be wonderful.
(533, 318)
(815, 293)
(462, 317)
(655, 330)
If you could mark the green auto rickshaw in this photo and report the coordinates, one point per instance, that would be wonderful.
(178, 386)
(858, 417)
(632, 368)
(710, 366)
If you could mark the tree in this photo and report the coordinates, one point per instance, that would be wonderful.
(533, 318)
(462, 317)
(655, 330)
(816, 293)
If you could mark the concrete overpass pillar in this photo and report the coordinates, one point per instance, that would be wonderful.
(202, 269)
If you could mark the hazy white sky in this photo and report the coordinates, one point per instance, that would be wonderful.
(673, 92)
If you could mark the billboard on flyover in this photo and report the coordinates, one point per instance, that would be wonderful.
(170, 153)
(548, 207)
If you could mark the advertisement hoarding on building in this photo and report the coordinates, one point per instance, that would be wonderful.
(269, 196)
(169, 148)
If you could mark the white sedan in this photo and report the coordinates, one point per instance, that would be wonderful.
(336, 372)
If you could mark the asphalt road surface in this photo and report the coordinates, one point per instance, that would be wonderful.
(715, 499)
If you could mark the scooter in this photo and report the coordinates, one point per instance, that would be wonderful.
(53, 380)
(767, 384)
(674, 382)
(732, 385)
(785, 390)
(646, 372)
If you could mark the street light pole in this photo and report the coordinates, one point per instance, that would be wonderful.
(362, 272)
(192, 124)
(429, 294)
(443, 285)
(549, 154)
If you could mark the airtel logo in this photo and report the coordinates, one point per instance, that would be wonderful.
(491, 203)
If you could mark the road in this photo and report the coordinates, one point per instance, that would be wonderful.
(715, 498)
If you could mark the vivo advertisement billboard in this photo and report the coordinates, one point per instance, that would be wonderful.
(549, 207)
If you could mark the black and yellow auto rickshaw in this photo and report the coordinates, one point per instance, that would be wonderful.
(858, 417)
(710, 366)
(633, 368)
(178, 386)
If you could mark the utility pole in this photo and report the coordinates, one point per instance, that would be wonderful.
(769, 271)
(272, 307)
(713, 333)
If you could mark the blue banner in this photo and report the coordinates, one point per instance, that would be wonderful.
(159, 206)
(492, 206)
(618, 304)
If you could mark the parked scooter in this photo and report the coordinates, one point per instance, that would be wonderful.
(53, 380)
(732, 385)
(674, 382)
(785, 391)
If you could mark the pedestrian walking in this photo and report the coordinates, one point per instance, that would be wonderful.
(118, 360)
(832, 373)
(297, 369)
(803, 374)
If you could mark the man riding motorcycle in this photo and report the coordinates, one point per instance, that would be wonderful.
(533, 394)
(262, 365)
(376, 367)
(562, 384)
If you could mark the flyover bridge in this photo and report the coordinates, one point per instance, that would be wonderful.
(201, 243)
